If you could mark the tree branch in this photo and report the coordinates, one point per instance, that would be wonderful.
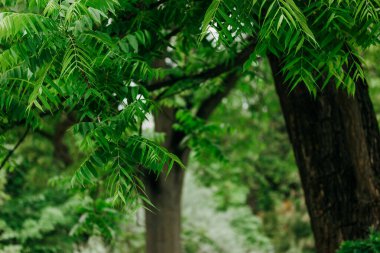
(209, 105)
(10, 153)
(142, 7)
(154, 5)
(209, 73)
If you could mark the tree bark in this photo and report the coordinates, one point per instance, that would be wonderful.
(163, 221)
(335, 138)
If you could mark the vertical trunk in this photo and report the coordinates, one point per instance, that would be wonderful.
(163, 225)
(335, 139)
(163, 222)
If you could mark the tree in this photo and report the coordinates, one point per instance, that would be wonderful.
(324, 59)
(163, 225)
(335, 141)
(334, 137)
(107, 109)
(320, 70)
(95, 61)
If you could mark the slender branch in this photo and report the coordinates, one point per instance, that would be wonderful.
(141, 7)
(22, 122)
(10, 152)
(154, 5)
(208, 106)
(44, 134)
(174, 32)
(209, 73)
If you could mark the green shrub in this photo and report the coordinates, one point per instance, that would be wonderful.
(370, 245)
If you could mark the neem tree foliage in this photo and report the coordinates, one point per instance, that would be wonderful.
(107, 64)
(102, 63)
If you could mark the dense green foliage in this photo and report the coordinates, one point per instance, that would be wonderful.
(370, 245)
(53, 52)
(80, 78)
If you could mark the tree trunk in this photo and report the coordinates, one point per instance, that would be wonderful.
(335, 138)
(163, 221)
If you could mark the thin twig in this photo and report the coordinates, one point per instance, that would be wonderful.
(10, 152)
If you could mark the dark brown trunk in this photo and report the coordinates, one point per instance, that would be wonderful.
(163, 221)
(335, 139)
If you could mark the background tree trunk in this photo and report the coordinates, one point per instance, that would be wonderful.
(335, 138)
(163, 224)
(163, 221)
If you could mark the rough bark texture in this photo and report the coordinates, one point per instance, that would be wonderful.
(163, 223)
(335, 139)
